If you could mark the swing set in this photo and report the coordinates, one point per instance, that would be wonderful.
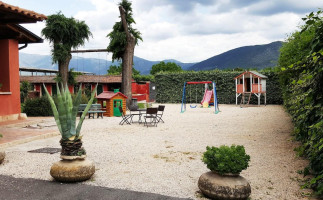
(209, 98)
(90, 51)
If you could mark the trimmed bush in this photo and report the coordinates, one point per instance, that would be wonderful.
(225, 159)
(38, 107)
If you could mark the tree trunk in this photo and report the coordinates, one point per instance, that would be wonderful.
(127, 59)
(63, 70)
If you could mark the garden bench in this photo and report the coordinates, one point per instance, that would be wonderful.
(95, 108)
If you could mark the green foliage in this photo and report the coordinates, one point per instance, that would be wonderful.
(84, 99)
(165, 67)
(302, 87)
(315, 21)
(65, 34)
(117, 70)
(296, 47)
(169, 86)
(24, 88)
(71, 77)
(139, 78)
(37, 107)
(117, 36)
(66, 110)
(225, 159)
(114, 70)
(303, 98)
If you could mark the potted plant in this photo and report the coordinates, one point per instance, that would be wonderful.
(73, 166)
(224, 181)
(2, 153)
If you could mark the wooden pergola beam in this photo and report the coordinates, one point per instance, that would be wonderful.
(89, 50)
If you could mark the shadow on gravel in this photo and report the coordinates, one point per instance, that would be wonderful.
(33, 189)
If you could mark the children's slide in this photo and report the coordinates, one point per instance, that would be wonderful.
(207, 96)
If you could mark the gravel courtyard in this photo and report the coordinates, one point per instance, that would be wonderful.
(167, 159)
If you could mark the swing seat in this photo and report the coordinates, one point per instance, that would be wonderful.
(193, 106)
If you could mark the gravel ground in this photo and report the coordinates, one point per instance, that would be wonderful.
(167, 159)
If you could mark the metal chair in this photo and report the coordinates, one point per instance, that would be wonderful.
(160, 113)
(151, 114)
(125, 118)
(134, 111)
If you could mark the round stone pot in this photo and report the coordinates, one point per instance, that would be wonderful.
(2, 155)
(74, 170)
(225, 187)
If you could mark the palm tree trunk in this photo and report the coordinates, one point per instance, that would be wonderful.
(63, 69)
(127, 59)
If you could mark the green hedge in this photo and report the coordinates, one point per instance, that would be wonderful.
(38, 107)
(169, 87)
(303, 98)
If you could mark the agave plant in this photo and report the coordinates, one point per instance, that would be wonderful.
(65, 113)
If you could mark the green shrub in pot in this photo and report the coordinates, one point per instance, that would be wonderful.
(225, 159)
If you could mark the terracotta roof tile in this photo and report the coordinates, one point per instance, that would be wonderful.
(25, 12)
(109, 95)
(257, 74)
(98, 79)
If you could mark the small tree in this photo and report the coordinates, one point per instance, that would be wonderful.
(123, 39)
(117, 70)
(24, 88)
(165, 67)
(64, 34)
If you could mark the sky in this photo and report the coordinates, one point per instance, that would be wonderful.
(185, 30)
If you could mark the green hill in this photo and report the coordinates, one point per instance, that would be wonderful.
(258, 56)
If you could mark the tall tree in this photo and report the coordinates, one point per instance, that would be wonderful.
(123, 39)
(64, 34)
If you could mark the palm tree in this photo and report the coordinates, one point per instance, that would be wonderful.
(64, 34)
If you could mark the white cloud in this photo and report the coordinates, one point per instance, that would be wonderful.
(191, 31)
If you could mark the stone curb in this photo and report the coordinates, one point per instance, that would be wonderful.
(29, 139)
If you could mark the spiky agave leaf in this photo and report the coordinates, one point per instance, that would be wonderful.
(69, 107)
(78, 129)
(62, 112)
(76, 105)
(54, 109)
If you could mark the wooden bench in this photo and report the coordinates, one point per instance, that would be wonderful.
(95, 108)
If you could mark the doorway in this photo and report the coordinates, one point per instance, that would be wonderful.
(247, 85)
(116, 104)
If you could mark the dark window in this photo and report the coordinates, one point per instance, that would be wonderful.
(54, 90)
(256, 80)
(43, 92)
(76, 88)
(99, 89)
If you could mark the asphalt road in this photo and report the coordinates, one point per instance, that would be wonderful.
(32, 189)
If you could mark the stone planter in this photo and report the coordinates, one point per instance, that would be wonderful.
(225, 187)
(72, 170)
(2, 155)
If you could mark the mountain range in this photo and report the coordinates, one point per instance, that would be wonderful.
(258, 56)
(93, 65)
